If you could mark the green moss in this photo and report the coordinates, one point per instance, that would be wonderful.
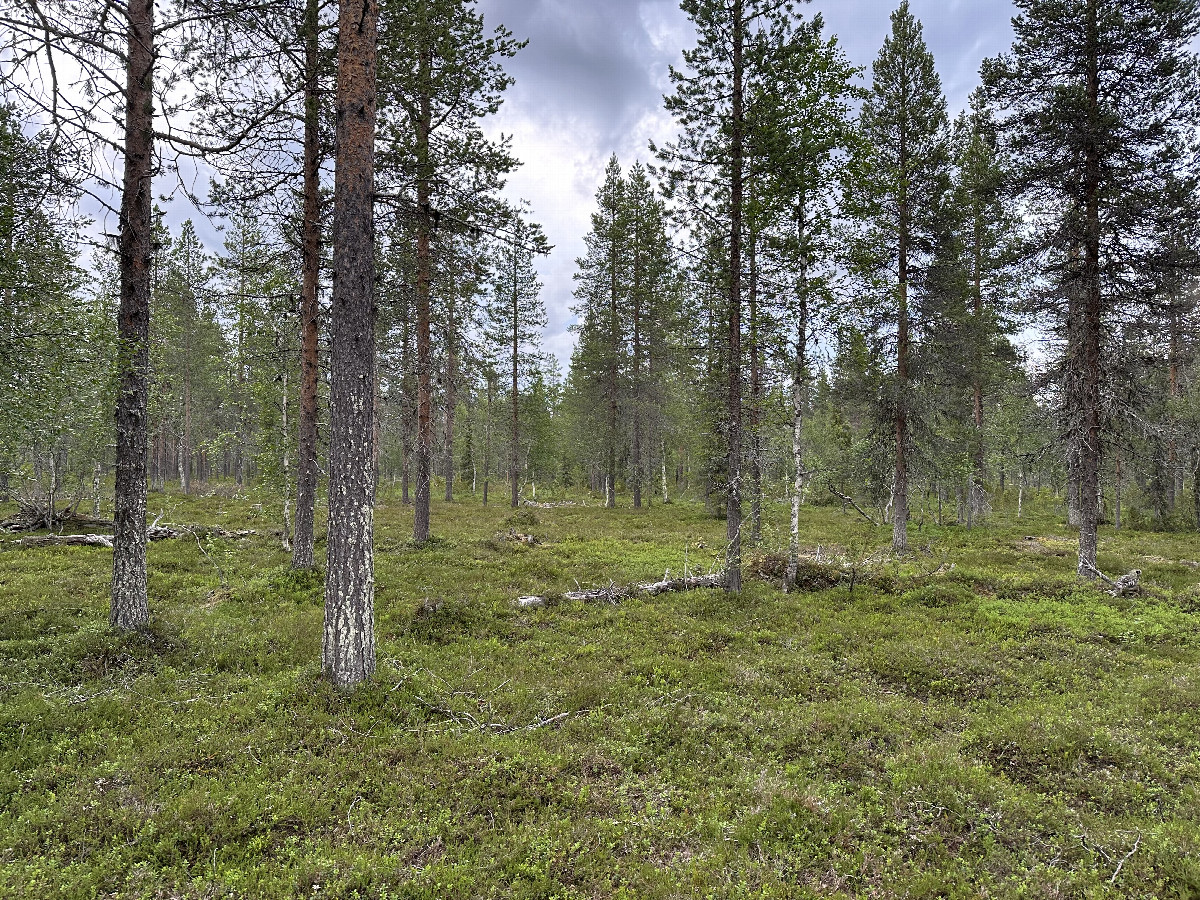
(969, 721)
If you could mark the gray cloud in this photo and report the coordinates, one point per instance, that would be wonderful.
(589, 66)
(591, 81)
(960, 34)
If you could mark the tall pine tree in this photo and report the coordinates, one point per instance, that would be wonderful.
(1100, 102)
(898, 193)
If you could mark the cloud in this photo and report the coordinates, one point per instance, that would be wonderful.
(591, 82)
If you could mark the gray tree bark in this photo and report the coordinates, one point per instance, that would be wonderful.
(306, 455)
(130, 608)
(348, 654)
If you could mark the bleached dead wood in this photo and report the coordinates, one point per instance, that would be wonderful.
(165, 532)
(1126, 584)
(848, 500)
(153, 533)
(64, 540)
(670, 585)
(614, 593)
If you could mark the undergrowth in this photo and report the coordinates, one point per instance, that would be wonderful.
(968, 721)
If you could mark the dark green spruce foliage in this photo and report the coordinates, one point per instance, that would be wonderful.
(1099, 104)
(628, 307)
(965, 361)
(897, 193)
(516, 315)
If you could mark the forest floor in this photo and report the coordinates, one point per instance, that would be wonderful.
(967, 722)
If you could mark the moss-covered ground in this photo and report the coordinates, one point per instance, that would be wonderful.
(967, 722)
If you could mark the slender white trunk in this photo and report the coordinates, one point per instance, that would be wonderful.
(798, 480)
(663, 455)
(183, 479)
(96, 491)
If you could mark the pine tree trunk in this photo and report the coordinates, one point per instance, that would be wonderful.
(614, 344)
(799, 399)
(663, 459)
(408, 412)
(733, 492)
(900, 487)
(1175, 479)
(307, 473)
(1089, 356)
(348, 655)
(451, 403)
(977, 473)
(756, 473)
(487, 437)
(514, 449)
(424, 458)
(160, 450)
(185, 442)
(1117, 510)
(635, 449)
(130, 607)
(96, 491)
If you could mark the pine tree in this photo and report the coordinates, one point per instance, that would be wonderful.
(984, 233)
(516, 316)
(1099, 104)
(898, 194)
(708, 165)
(808, 137)
(440, 75)
(348, 652)
(601, 280)
(654, 319)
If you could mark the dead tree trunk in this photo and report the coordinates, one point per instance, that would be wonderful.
(348, 653)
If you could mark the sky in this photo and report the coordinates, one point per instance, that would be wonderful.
(591, 84)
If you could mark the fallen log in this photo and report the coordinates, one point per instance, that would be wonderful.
(670, 585)
(64, 540)
(157, 533)
(614, 593)
(1129, 583)
(847, 499)
(32, 518)
(153, 533)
